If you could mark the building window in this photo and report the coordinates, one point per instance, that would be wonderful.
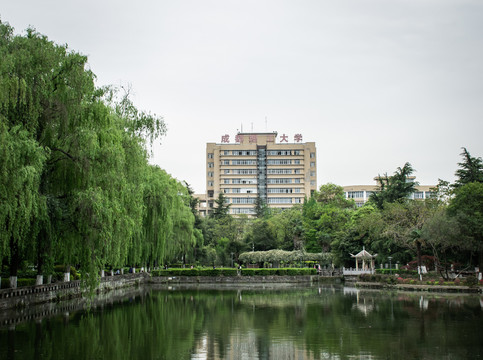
(279, 181)
(419, 195)
(312, 155)
(280, 162)
(279, 200)
(243, 200)
(298, 200)
(250, 211)
(429, 194)
(312, 164)
(210, 164)
(312, 182)
(226, 181)
(210, 155)
(279, 171)
(226, 191)
(235, 190)
(227, 171)
(211, 194)
(210, 174)
(296, 162)
(280, 191)
(244, 162)
(210, 183)
(297, 181)
(226, 162)
(355, 194)
(245, 171)
(226, 152)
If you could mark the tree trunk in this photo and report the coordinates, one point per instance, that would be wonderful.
(14, 263)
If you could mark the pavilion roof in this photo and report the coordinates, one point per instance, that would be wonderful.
(363, 255)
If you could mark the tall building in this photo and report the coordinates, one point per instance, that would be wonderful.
(282, 173)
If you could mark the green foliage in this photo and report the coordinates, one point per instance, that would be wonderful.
(467, 208)
(196, 272)
(261, 208)
(278, 256)
(470, 281)
(324, 222)
(471, 170)
(75, 182)
(394, 188)
(394, 271)
(222, 207)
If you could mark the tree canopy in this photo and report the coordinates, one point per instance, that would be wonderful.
(75, 183)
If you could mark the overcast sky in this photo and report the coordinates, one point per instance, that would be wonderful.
(374, 83)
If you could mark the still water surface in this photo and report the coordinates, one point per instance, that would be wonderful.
(317, 322)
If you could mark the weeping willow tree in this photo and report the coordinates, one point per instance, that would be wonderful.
(168, 223)
(75, 183)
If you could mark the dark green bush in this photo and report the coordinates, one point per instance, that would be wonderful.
(398, 271)
(234, 272)
(25, 282)
(20, 282)
(470, 281)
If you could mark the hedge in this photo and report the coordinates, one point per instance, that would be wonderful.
(280, 271)
(195, 272)
(20, 282)
(234, 272)
(396, 271)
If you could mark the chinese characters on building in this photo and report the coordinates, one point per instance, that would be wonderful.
(252, 138)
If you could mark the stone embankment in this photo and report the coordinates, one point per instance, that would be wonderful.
(236, 279)
(428, 288)
(29, 295)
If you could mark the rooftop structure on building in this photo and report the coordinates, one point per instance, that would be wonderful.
(282, 171)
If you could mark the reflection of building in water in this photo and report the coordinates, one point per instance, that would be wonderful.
(252, 345)
(363, 304)
(423, 303)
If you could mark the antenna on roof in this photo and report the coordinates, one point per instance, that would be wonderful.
(252, 127)
(241, 127)
(266, 124)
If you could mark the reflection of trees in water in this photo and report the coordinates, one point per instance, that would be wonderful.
(264, 324)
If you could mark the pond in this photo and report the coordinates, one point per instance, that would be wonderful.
(257, 322)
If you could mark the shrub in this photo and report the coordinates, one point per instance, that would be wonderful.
(470, 281)
(396, 271)
(20, 282)
(25, 282)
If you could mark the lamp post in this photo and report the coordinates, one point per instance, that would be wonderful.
(390, 265)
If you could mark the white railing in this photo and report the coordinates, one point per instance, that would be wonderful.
(352, 271)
